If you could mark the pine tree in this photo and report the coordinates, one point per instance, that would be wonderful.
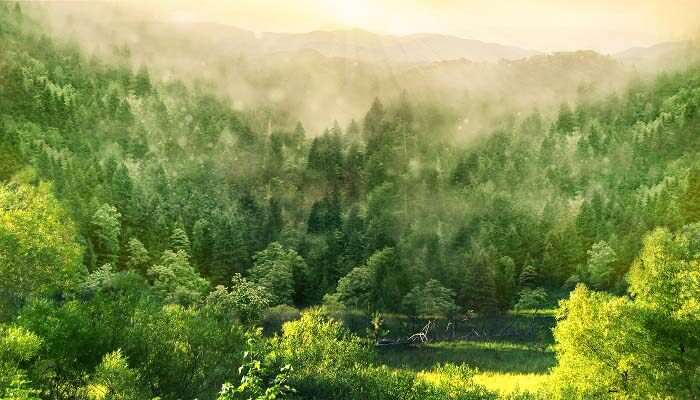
(565, 120)
(477, 290)
(179, 241)
(373, 119)
(105, 234)
(137, 255)
(690, 199)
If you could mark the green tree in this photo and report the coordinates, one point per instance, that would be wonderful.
(388, 280)
(373, 118)
(529, 277)
(18, 348)
(244, 301)
(355, 288)
(277, 269)
(137, 255)
(638, 346)
(179, 241)
(114, 380)
(430, 300)
(142, 81)
(566, 121)
(105, 234)
(477, 291)
(39, 252)
(505, 283)
(175, 281)
(690, 199)
(599, 267)
(531, 299)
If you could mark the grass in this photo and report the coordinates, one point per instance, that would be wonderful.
(505, 383)
(501, 357)
(504, 367)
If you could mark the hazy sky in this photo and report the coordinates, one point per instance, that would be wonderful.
(546, 25)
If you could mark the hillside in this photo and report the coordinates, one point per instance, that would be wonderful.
(149, 225)
(338, 72)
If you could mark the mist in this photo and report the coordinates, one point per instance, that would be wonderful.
(296, 80)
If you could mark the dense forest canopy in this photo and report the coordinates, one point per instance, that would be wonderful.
(147, 224)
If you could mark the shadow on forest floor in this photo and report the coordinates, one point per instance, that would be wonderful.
(502, 357)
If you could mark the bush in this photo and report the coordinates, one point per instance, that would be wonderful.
(331, 363)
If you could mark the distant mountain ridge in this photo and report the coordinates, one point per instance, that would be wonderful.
(667, 55)
(415, 48)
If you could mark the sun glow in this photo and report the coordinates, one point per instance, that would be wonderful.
(546, 25)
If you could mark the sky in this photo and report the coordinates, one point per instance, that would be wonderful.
(545, 25)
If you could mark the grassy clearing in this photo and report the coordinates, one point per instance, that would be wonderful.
(496, 357)
(504, 367)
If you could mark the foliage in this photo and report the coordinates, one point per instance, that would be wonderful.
(113, 379)
(433, 299)
(275, 269)
(106, 229)
(18, 346)
(108, 169)
(531, 299)
(39, 251)
(176, 281)
(255, 384)
(354, 289)
(244, 301)
(641, 346)
(599, 265)
(273, 318)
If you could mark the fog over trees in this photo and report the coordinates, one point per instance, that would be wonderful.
(151, 222)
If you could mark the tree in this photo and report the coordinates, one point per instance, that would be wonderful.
(565, 120)
(599, 266)
(478, 289)
(244, 301)
(114, 380)
(388, 280)
(278, 270)
(175, 281)
(528, 277)
(179, 241)
(18, 347)
(638, 346)
(355, 288)
(430, 300)
(142, 81)
(39, 251)
(138, 257)
(105, 234)
(373, 118)
(690, 199)
(531, 299)
(505, 283)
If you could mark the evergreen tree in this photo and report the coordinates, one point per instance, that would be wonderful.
(106, 229)
(565, 120)
(138, 257)
(179, 241)
(690, 200)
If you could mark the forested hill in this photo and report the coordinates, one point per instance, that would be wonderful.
(143, 166)
(146, 225)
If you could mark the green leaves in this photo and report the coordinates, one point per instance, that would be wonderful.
(106, 228)
(275, 269)
(645, 346)
(39, 253)
(176, 281)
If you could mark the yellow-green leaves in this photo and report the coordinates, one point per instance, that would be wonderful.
(39, 253)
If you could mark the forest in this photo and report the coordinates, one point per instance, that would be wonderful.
(158, 242)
